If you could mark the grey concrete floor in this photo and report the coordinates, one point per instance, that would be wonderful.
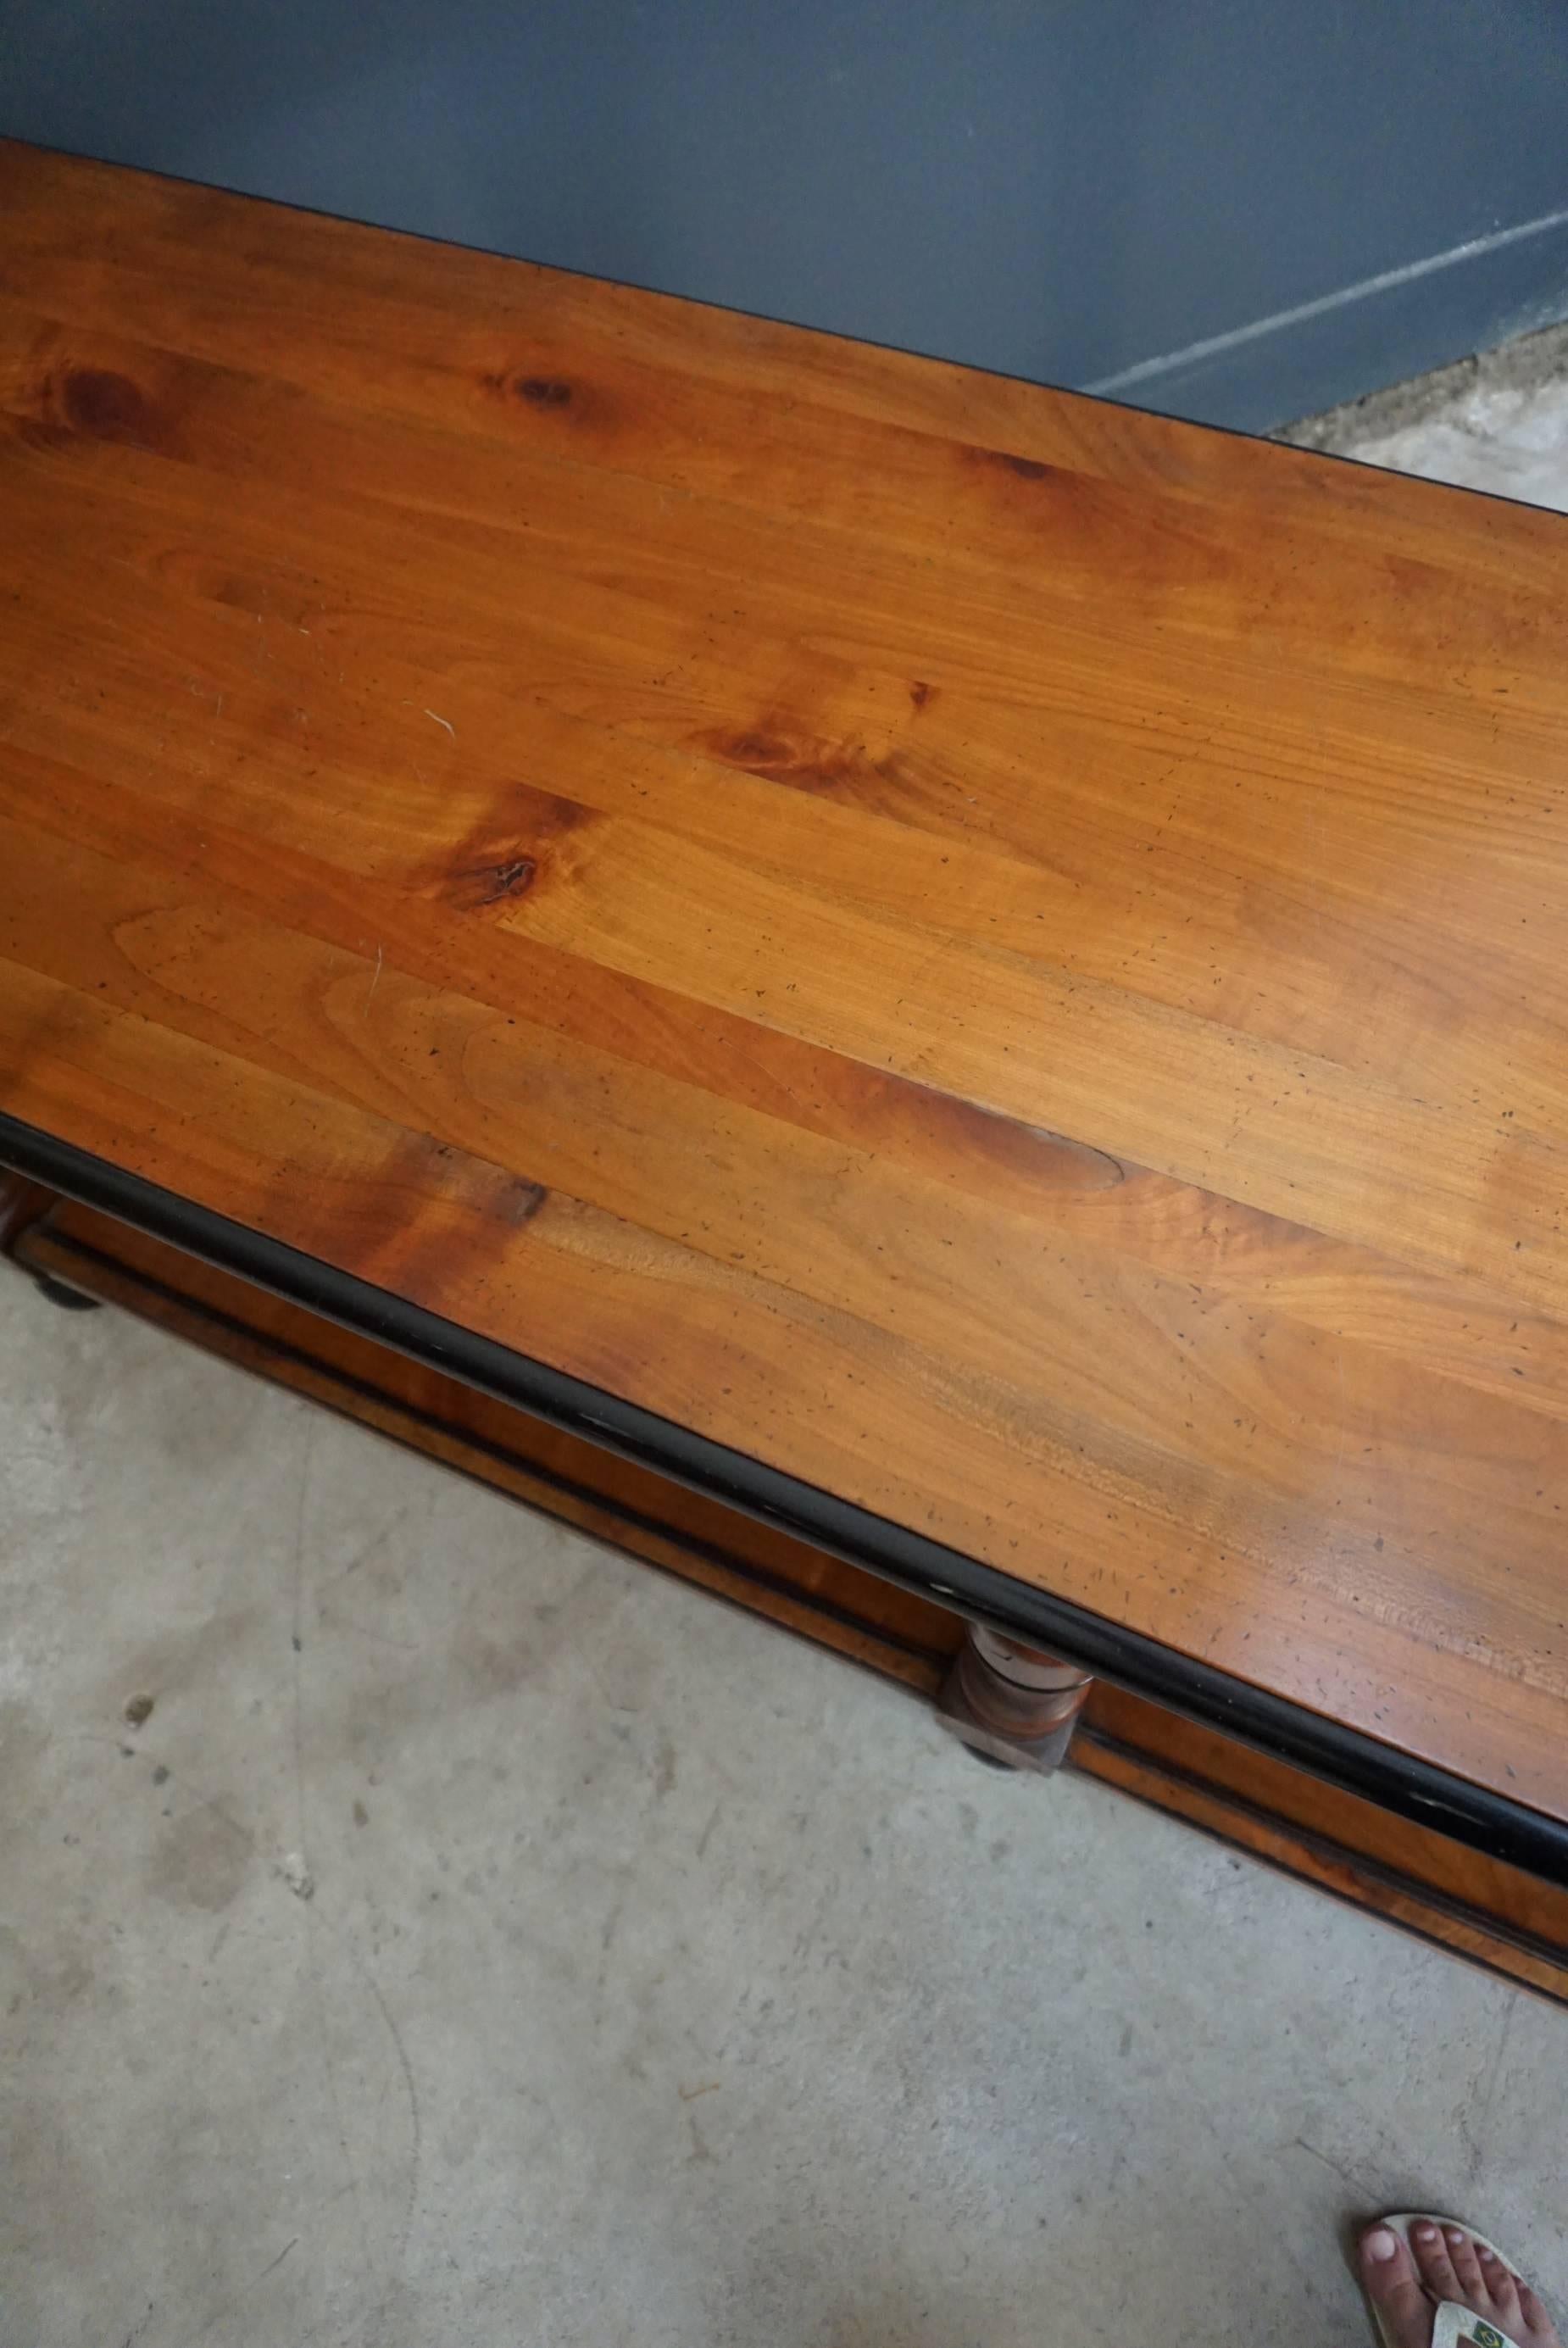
(484, 1940)
(1498, 422)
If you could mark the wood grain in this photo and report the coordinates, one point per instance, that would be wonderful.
(1492, 1913)
(1004, 956)
(753, 1565)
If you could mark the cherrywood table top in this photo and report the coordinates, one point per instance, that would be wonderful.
(1003, 956)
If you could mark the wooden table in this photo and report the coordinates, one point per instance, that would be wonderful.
(973, 975)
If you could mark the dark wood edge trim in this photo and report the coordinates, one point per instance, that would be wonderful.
(1473, 1814)
(1323, 1847)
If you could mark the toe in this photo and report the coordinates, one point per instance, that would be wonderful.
(1532, 2315)
(1433, 2263)
(1475, 2286)
(1502, 2287)
(1389, 2279)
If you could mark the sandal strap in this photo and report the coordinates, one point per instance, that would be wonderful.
(1456, 2327)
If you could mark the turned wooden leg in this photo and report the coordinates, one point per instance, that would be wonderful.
(58, 1292)
(1010, 1704)
(22, 1205)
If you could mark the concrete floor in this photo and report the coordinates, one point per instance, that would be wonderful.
(483, 1940)
(1497, 422)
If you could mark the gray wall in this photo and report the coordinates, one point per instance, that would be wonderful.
(1227, 208)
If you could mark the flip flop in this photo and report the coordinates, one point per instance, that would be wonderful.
(1453, 2326)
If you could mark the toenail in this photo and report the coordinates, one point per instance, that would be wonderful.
(1426, 2233)
(1482, 2253)
(1380, 2244)
(1457, 2237)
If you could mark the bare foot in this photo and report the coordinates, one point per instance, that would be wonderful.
(1448, 2263)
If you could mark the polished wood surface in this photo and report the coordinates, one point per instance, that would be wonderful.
(904, 1637)
(1005, 957)
(1492, 1913)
